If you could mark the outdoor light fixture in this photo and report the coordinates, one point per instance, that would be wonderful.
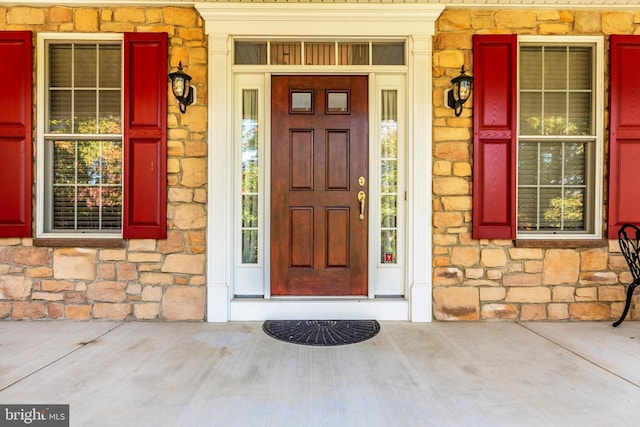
(460, 92)
(181, 88)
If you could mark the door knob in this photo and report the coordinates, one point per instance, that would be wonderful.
(362, 198)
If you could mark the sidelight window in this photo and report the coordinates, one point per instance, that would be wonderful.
(389, 177)
(250, 174)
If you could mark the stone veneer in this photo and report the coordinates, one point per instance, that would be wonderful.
(165, 279)
(147, 279)
(493, 279)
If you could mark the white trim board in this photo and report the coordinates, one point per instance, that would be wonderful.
(412, 22)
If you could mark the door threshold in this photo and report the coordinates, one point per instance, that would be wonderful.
(319, 297)
(296, 308)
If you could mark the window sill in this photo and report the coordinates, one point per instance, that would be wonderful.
(561, 243)
(80, 242)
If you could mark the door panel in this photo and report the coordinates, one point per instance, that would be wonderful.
(319, 152)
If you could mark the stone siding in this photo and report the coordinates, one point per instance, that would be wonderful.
(492, 279)
(147, 279)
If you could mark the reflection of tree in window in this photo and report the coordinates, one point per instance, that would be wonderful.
(250, 176)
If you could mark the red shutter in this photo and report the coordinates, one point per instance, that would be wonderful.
(494, 137)
(145, 136)
(624, 128)
(15, 134)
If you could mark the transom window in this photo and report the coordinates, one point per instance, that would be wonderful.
(319, 53)
(83, 136)
(558, 139)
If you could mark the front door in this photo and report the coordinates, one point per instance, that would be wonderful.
(319, 172)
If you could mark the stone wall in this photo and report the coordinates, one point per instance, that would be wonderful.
(493, 279)
(147, 279)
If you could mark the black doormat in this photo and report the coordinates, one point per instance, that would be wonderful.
(321, 332)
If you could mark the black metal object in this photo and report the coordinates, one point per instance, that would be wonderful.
(321, 332)
(629, 239)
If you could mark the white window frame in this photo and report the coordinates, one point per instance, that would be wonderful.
(598, 116)
(41, 97)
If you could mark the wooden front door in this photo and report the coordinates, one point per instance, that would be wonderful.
(319, 172)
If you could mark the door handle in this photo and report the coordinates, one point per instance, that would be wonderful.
(361, 198)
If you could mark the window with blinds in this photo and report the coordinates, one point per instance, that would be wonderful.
(83, 137)
(557, 139)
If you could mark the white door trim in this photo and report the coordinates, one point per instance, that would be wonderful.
(412, 21)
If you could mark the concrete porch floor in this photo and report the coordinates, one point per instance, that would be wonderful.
(437, 374)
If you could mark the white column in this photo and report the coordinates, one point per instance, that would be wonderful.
(220, 169)
(420, 206)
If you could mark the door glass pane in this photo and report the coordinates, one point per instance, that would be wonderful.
(250, 191)
(301, 102)
(389, 176)
(337, 102)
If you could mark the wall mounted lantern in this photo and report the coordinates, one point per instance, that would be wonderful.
(181, 88)
(460, 92)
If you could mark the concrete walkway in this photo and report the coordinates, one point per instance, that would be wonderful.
(437, 374)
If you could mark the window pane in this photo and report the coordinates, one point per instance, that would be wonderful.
(286, 54)
(353, 53)
(250, 211)
(389, 176)
(550, 164)
(531, 113)
(527, 163)
(388, 53)
(580, 66)
(64, 212)
(555, 114)
(388, 246)
(531, 68)
(84, 65)
(319, 53)
(60, 65)
(64, 160)
(85, 107)
(551, 207)
(389, 211)
(579, 113)
(109, 112)
(110, 66)
(59, 111)
(555, 68)
(249, 246)
(250, 53)
(527, 209)
(575, 163)
(574, 213)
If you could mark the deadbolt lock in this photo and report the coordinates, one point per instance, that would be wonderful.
(361, 181)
